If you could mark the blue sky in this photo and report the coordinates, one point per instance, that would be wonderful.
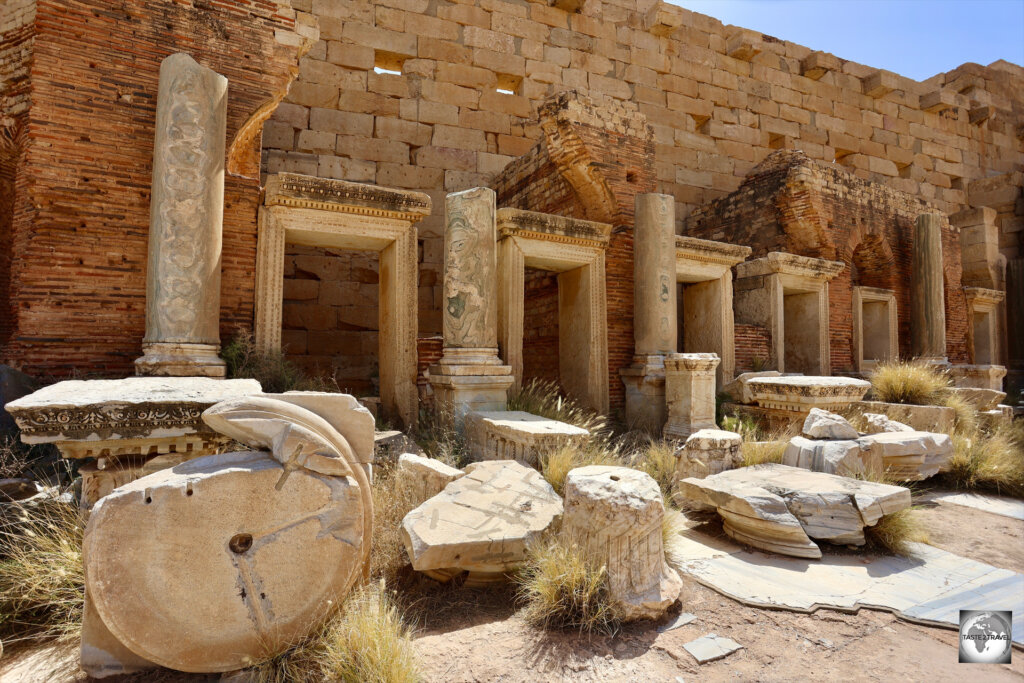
(915, 38)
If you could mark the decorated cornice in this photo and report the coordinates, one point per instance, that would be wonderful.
(790, 264)
(327, 194)
(550, 228)
(709, 251)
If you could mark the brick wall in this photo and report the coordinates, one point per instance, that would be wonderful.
(82, 213)
(719, 99)
(791, 203)
(753, 347)
(540, 326)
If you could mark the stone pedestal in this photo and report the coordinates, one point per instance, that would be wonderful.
(185, 223)
(654, 311)
(979, 376)
(515, 435)
(470, 376)
(928, 311)
(708, 452)
(689, 393)
(614, 514)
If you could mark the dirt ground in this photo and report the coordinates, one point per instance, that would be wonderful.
(475, 635)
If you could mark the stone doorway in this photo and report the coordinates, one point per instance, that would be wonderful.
(983, 332)
(317, 212)
(572, 254)
(875, 327)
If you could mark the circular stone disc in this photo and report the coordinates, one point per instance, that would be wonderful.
(206, 567)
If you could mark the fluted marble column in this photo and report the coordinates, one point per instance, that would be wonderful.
(655, 316)
(185, 223)
(470, 376)
(928, 309)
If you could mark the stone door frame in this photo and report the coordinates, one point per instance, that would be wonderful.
(575, 249)
(861, 296)
(700, 261)
(321, 212)
(987, 301)
(767, 280)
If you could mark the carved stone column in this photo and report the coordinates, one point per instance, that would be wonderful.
(654, 310)
(689, 393)
(928, 309)
(185, 222)
(470, 376)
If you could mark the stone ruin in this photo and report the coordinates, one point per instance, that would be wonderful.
(494, 207)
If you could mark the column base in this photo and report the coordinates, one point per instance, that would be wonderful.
(170, 359)
(645, 394)
(467, 380)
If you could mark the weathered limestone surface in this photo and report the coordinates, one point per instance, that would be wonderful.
(469, 375)
(800, 393)
(615, 514)
(844, 457)
(424, 477)
(185, 223)
(689, 393)
(101, 654)
(739, 388)
(927, 303)
(878, 423)
(516, 435)
(482, 522)
(981, 399)
(655, 329)
(708, 451)
(920, 418)
(206, 566)
(821, 424)
(781, 508)
(981, 376)
(343, 412)
(903, 455)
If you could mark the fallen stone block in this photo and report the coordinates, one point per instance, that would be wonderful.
(982, 399)
(389, 445)
(739, 389)
(517, 435)
(424, 477)
(711, 647)
(910, 456)
(615, 515)
(878, 424)
(708, 451)
(482, 522)
(845, 458)
(821, 424)
(920, 418)
(801, 393)
(781, 508)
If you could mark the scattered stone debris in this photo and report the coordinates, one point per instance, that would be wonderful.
(781, 508)
(424, 477)
(387, 446)
(481, 522)
(878, 423)
(517, 435)
(708, 451)
(711, 647)
(821, 424)
(682, 619)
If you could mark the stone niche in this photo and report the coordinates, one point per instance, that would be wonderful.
(875, 327)
(319, 212)
(575, 250)
(704, 297)
(788, 295)
(983, 335)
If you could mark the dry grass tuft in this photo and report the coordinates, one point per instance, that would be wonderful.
(913, 382)
(14, 457)
(895, 532)
(672, 526)
(275, 373)
(759, 446)
(965, 415)
(437, 436)
(42, 581)
(761, 452)
(564, 589)
(544, 398)
(554, 466)
(368, 640)
(657, 459)
(989, 461)
(393, 499)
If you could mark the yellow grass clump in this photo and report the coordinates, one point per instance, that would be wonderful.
(393, 499)
(564, 589)
(913, 382)
(42, 580)
(658, 459)
(896, 531)
(543, 398)
(989, 461)
(555, 466)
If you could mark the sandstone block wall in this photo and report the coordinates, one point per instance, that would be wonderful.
(719, 100)
(80, 221)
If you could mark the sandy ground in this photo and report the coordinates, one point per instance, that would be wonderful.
(475, 635)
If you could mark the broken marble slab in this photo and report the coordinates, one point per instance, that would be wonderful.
(821, 424)
(904, 456)
(930, 587)
(845, 458)
(781, 508)
(481, 522)
(517, 435)
(423, 477)
(878, 423)
(682, 619)
(997, 505)
(711, 647)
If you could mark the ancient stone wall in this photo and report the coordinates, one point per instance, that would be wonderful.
(720, 99)
(793, 204)
(81, 223)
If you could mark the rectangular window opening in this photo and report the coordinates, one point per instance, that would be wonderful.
(388, 63)
(508, 84)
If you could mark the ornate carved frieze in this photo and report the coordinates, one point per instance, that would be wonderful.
(327, 194)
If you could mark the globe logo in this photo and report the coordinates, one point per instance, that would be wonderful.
(985, 637)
